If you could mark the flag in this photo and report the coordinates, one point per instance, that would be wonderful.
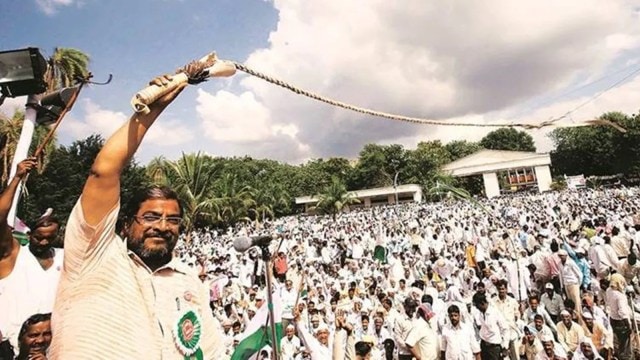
(257, 335)
(20, 231)
(380, 254)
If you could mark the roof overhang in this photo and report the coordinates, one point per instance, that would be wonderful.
(361, 194)
(487, 161)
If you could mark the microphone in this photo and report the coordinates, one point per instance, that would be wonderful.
(243, 243)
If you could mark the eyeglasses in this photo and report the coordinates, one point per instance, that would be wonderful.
(150, 219)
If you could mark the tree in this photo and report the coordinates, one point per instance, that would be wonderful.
(234, 199)
(424, 163)
(64, 66)
(191, 177)
(460, 148)
(378, 164)
(598, 150)
(508, 139)
(10, 129)
(335, 198)
(60, 186)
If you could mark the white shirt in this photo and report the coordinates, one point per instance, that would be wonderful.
(289, 348)
(423, 339)
(617, 302)
(28, 290)
(492, 325)
(459, 343)
(571, 274)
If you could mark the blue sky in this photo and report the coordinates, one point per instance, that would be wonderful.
(459, 60)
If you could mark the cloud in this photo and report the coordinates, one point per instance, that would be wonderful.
(442, 60)
(11, 105)
(50, 7)
(242, 124)
(96, 120)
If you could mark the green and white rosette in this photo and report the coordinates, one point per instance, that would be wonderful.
(187, 333)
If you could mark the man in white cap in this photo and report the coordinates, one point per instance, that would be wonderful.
(290, 344)
(552, 302)
(569, 332)
(600, 337)
(551, 350)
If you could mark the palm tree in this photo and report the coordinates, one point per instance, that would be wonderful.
(234, 199)
(335, 198)
(64, 66)
(10, 131)
(10, 128)
(268, 199)
(191, 177)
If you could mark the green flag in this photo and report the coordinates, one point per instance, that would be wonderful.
(257, 335)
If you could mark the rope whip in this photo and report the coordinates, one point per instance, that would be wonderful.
(210, 66)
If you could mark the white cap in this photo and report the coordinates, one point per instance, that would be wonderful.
(549, 286)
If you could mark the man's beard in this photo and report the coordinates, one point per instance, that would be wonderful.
(40, 251)
(158, 255)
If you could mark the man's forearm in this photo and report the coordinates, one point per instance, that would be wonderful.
(6, 198)
(123, 144)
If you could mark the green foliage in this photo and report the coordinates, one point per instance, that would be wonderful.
(508, 139)
(64, 66)
(221, 192)
(460, 148)
(598, 150)
(558, 184)
(335, 198)
(377, 165)
(61, 184)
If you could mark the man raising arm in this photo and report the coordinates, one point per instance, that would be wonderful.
(129, 299)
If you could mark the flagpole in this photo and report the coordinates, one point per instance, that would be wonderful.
(266, 257)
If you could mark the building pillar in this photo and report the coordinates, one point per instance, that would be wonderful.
(543, 178)
(367, 202)
(391, 199)
(417, 196)
(491, 185)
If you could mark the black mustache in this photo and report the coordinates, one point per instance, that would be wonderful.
(164, 235)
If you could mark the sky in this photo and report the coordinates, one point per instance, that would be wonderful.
(481, 61)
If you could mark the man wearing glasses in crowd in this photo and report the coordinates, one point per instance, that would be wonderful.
(129, 299)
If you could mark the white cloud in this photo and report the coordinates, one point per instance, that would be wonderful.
(50, 7)
(240, 124)
(448, 60)
(10, 105)
(97, 120)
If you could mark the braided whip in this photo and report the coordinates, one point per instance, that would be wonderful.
(414, 120)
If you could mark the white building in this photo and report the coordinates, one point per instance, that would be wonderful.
(516, 169)
(373, 197)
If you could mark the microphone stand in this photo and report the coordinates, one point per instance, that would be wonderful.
(266, 257)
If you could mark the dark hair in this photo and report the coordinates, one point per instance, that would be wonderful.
(453, 309)
(364, 317)
(426, 298)
(479, 298)
(502, 282)
(362, 348)
(44, 221)
(32, 320)
(155, 192)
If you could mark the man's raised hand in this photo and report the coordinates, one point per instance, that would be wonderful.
(25, 166)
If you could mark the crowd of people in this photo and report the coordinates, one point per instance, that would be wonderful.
(529, 276)
(523, 276)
